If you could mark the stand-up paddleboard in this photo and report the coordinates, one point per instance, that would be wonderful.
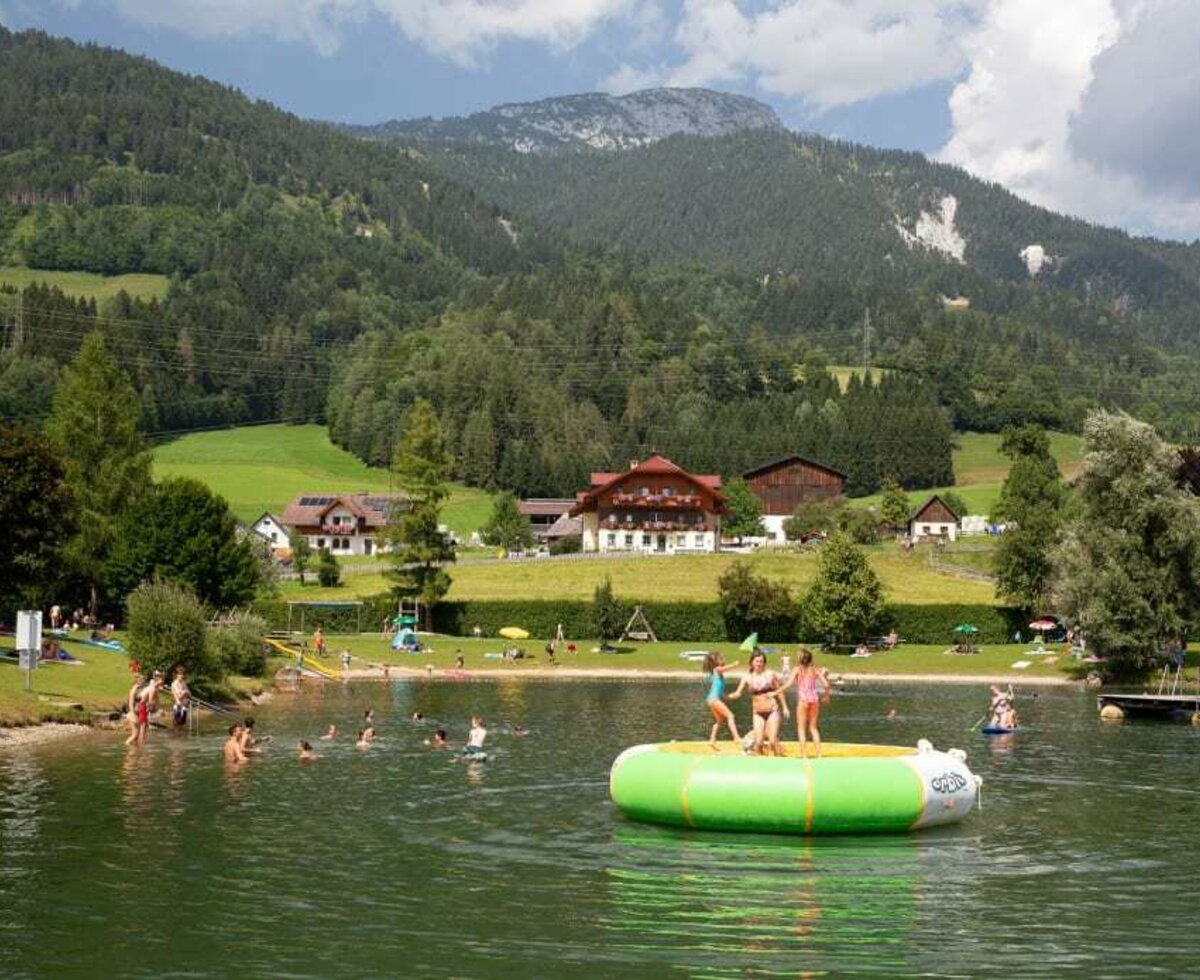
(851, 789)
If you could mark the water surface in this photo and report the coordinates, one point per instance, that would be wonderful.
(403, 862)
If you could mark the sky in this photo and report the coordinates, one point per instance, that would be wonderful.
(1085, 106)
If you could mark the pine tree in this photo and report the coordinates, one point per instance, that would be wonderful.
(893, 507)
(420, 550)
(506, 527)
(94, 423)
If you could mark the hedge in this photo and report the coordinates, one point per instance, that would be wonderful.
(673, 622)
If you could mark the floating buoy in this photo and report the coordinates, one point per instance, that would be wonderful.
(1110, 712)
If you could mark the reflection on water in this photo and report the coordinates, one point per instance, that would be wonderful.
(402, 860)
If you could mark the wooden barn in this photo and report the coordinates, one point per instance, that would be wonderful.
(933, 521)
(783, 485)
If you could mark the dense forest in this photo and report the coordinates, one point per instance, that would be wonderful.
(316, 276)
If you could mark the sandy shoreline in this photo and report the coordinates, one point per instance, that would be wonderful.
(38, 734)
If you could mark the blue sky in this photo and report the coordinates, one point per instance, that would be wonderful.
(1036, 97)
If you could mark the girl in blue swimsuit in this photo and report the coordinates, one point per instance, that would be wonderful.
(714, 670)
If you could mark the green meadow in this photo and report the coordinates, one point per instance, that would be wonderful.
(86, 284)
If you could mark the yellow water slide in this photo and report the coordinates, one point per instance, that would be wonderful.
(305, 661)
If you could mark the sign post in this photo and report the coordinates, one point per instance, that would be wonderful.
(29, 642)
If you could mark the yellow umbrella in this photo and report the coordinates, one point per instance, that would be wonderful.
(514, 633)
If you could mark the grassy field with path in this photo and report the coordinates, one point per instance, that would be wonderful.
(907, 577)
(89, 285)
(261, 468)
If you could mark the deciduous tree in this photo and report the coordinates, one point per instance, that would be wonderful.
(745, 511)
(845, 599)
(506, 527)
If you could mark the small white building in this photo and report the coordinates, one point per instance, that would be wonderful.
(933, 521)
(270, 529)
(344, 523)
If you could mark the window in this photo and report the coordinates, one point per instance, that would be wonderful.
(668, 491)
(629, 541)
(645, 491)
(699, 539)
(612, 540)
(628, 518)
(645, 541)
(320, 542)
(681, 541)
(274, 537)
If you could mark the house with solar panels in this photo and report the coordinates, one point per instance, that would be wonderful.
(345, 523)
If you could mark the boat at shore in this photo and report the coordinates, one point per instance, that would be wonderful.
(850, 789)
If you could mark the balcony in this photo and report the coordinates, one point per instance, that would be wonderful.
(341, 529)
(654, 526)
(666, 501)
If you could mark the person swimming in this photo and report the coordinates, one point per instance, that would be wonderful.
(418, 717)
(475, 738)
(331, 734)
(306, 752)
(232, 749)
(714, 670)
(362, 742)
(439, 740)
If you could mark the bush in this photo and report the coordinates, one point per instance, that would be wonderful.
(753, 604)
(861, 525)
(607, 615)
(237, 644)
(329, 572)
(167, 626)
(935, 623)
(567, 546)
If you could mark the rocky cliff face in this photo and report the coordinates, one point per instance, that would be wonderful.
(595, 120)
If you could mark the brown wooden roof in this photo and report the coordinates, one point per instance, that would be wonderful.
(945, 515)
(787, 461)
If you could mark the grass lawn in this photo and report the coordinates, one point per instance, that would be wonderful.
(86, 284)
(101, 684)
(261, 468)
(980, 469)
(370, 649)
(907, 577)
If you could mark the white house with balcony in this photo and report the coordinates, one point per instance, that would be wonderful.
(655, 506)
(343, 523)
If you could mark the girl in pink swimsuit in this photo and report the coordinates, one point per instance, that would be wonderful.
(767, 701)
(811, 689)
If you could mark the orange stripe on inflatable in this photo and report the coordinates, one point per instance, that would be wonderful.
(808, 794)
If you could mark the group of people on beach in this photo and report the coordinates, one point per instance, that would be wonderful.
(769, 691)
(142, 702)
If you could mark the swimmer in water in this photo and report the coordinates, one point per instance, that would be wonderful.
(232, 749)
(714, 671)
(418, 717)
(439, 740)
(362, 742)
(476, 737)
(306, 752)
(330, 735)
(368, 718)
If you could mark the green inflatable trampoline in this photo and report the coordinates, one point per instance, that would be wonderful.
(851, 789)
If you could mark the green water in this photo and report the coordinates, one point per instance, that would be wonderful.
(401, 862)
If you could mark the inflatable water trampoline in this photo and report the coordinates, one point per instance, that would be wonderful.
(851, 789)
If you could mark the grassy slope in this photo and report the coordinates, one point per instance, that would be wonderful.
(261, 468)
(86, 284)
(99, 685)
(979, 469)
(908, 578)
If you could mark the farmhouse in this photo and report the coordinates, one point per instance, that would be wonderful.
(654, 506)
(783, 485)
(543, 512)
(270, 529)
(933, 521)
(345, 523)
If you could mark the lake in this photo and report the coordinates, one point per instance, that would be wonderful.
(401, 861)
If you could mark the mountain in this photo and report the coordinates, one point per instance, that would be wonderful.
(595, 121)
(772, 203)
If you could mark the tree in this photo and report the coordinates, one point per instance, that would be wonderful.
(608, 617)
(754, 604)
(893, 507)
(1031, 503)
(184, 532)
(301, 552)
(955, 502)
(846, 597)
(37, 513)
(167, 626)
(507, 527)
(420, 549)
(1128, 569)
(812, 515)
(94, 425)
(329, 572)
(745, 511)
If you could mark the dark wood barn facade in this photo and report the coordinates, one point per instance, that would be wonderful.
(783, 485)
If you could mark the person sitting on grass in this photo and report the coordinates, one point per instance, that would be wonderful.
(714, 671)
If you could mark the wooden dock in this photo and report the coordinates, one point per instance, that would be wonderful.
(1164, 706)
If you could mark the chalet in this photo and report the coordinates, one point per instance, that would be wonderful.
(345, 523)
(933, 521)
(543, 512)
(653, 506)
(270, 529)
(783, 485)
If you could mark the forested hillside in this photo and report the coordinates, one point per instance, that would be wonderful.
(318, 277)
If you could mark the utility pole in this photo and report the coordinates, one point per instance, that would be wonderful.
(866, 341)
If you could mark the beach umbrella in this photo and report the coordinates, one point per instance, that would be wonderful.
(514, 633)
(966, 629)
(1041, 625)
(749, 643)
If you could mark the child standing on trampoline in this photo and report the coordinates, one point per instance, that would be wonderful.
(714, 671)
(811, 689)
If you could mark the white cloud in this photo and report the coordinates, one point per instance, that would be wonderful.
(829, 52)
(628, 79)
(1035, 69)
